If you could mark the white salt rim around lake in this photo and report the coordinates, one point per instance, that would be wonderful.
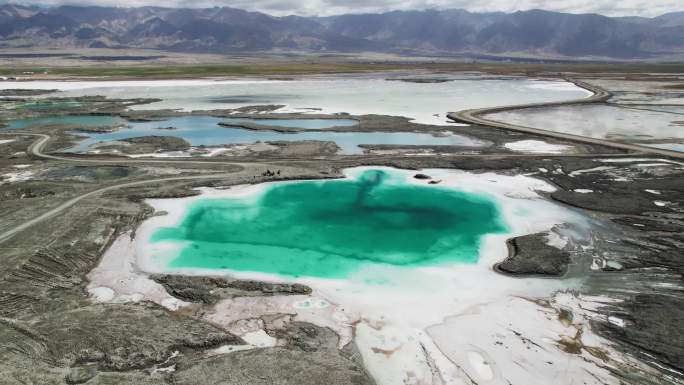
(394, 317)
(398, 324)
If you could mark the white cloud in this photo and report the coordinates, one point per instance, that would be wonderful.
(645, 8)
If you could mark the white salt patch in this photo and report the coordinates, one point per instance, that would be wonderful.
(118, 273)
(616, 321)
(557, 86)
(172, 303)
(599, 168)
(656, 192)
(215, 151)
(18, 176)
(661, 203)
(481, 367)
(259, 339)
(543, 170)
(21, 165)
(6, 141)
(666, 285)
(126, 298)
(652, 164)
(168, 369)
(583, 191)
(171, 154)
(582, 303)
(613, 265)
(537, 147)
(515, 341)
(555, 240)
(101, 294)
(666, 369)
(227, 349)
(630, 160)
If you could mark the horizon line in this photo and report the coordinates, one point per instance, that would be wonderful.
(436, 9)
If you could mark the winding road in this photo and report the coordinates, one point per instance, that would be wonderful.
(49, 214)
(36, 149)
(475, 116)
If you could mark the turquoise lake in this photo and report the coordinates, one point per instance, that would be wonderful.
(330, 229)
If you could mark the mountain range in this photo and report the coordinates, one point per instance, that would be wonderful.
(431, 32)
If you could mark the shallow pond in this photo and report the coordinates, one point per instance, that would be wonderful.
(204, 130)
(637, 124)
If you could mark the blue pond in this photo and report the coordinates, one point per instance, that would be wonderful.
(204, 130)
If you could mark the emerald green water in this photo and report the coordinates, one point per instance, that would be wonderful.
(332, 228)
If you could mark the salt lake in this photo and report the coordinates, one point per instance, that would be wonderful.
(388, 257)
(426, 103)
(652, 126)
(334, 228)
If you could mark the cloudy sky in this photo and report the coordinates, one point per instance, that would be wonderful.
(646, 8)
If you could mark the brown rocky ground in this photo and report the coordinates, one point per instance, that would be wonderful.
(51, 333)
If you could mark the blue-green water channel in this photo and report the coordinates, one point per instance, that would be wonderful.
(330, 229)
(204, 130)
